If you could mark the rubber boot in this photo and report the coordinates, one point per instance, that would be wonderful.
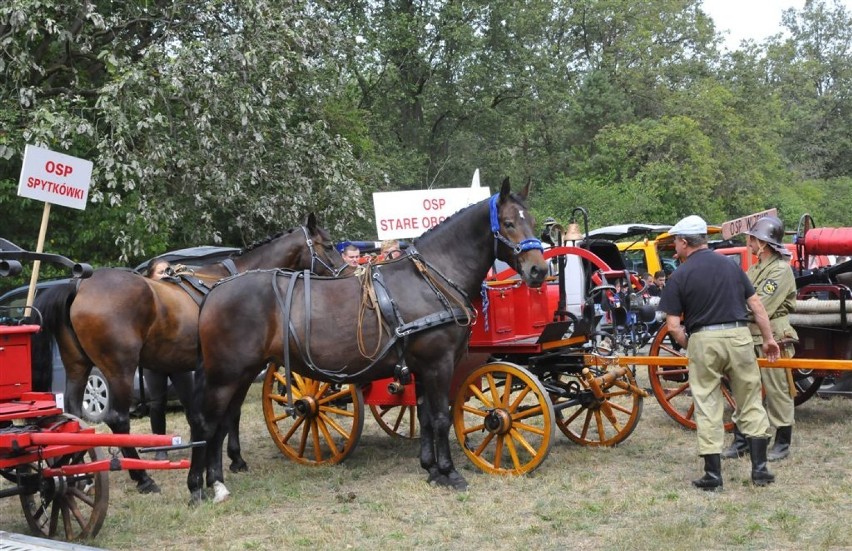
(712, 479)
(738, 448)
(760, 475)
(781, 447)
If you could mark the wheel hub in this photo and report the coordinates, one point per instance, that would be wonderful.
(498, 421)
(307, 407)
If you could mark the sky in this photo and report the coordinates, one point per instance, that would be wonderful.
(750, 19)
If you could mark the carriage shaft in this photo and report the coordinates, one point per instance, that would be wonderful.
(682, 361)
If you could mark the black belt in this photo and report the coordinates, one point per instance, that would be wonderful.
(720, 326)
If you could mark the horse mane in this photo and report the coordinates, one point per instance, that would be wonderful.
(513, 195)
(263, 241)
(446, 220)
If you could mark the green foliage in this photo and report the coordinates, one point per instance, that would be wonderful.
(204, 122)
(227, 121)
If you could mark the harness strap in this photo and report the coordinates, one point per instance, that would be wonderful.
(432, 320)
(189, 284)
(229, 265)
(285, 306)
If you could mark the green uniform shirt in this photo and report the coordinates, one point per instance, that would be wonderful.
(775, 285)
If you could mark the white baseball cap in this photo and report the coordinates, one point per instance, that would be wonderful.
(691, 225)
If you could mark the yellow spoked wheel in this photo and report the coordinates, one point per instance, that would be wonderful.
(398, 421)
(503, 419)
(324, 423)
(604, 408)
(71, 507)
(670, 385)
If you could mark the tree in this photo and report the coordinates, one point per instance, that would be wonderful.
(205, 122)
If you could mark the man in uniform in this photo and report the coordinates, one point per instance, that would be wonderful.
(772, 278)
(711, 293)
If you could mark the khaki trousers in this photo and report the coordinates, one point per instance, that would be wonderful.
(712, 356)
(779, 404)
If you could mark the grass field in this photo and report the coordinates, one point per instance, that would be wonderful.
(635, 496)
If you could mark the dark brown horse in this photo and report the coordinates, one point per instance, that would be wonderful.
(118, 320)
(424, 299)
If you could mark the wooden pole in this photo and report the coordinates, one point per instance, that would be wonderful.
(39, 249)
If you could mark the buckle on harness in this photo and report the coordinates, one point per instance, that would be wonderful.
(402, 373)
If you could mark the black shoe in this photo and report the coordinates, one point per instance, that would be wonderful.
(738, 448)
(712, 479)
(760, 475)
(781, 447)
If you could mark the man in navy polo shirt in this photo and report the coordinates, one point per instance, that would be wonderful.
(712, 294)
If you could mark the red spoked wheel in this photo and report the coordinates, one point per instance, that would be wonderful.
(670, 384)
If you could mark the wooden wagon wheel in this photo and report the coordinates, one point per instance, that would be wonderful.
(806, 385)
(604, 421)
(67, 507)
(671, 384)
(503, 419)
(326, 419)
(398, 421)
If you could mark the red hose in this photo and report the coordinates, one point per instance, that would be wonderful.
(837, 241)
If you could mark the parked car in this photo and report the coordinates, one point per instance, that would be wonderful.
(96, 397)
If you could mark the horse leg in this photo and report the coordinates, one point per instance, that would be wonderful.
(118, 420)
(195, 476)
(434, 411)
(77, 371)
(206, 424)
(238, 464)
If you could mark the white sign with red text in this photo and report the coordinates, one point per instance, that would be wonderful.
(55, 178)
(407, 214)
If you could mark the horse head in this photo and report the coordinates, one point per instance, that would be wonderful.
(515, 241)
(308, 247)
(320, 249)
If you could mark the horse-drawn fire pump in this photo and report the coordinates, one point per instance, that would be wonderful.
(51, 459)
(534, 366)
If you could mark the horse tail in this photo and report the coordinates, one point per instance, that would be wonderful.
(54, 304)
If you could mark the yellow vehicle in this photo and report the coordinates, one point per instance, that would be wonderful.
(646, 248)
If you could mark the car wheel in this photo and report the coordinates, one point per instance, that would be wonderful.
(96, 397)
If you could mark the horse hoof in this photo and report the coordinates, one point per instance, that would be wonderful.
(452, 480)
(148, 487)
(220, 492)
(239, 466)
(196, 498)
(457, 481)
(436, 478)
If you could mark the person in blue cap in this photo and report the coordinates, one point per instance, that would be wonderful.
(714, 295)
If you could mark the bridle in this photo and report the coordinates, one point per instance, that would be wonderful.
(517, 248)
(316, 257)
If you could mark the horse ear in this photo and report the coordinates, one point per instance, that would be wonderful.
(505, 189)
(524, 192)
(311, 223)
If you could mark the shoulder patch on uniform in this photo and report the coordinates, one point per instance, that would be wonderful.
(769, 287)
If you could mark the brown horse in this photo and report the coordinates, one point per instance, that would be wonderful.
(424, 300)
(118, 320)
